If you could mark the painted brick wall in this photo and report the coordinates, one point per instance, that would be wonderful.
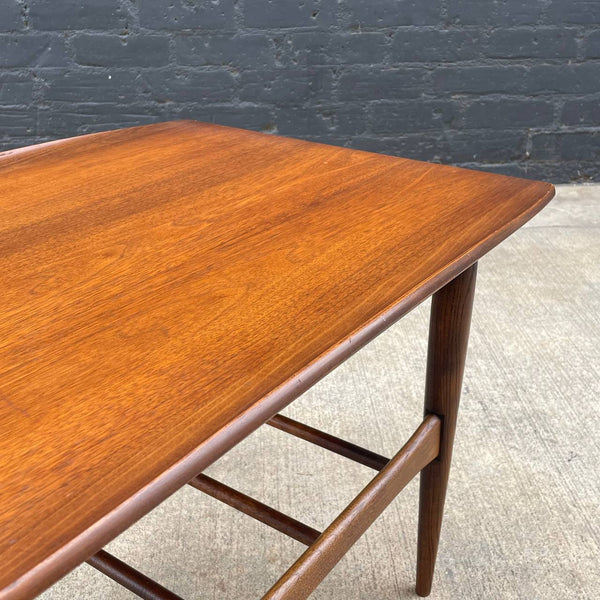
(506, 85)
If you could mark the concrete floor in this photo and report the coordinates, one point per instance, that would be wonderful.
(522, 513)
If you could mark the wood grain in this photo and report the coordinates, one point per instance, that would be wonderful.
(166, 289)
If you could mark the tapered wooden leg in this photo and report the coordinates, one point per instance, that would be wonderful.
(448, 336)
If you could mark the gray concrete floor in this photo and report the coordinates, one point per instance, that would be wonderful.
(522, 514)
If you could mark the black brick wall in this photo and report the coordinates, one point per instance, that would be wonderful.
(506, 85)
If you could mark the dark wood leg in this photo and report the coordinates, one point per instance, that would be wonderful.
(448, 336)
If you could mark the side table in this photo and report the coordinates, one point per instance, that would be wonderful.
(168, 289)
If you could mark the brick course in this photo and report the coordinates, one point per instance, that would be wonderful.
(510, 86)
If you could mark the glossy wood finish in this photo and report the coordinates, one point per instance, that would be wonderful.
(255, 509)
(451, 309)
(167, 289)
(329, 442)
(130, 578)
(312, 567)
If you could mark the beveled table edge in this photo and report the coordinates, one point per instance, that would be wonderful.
(123, 516)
